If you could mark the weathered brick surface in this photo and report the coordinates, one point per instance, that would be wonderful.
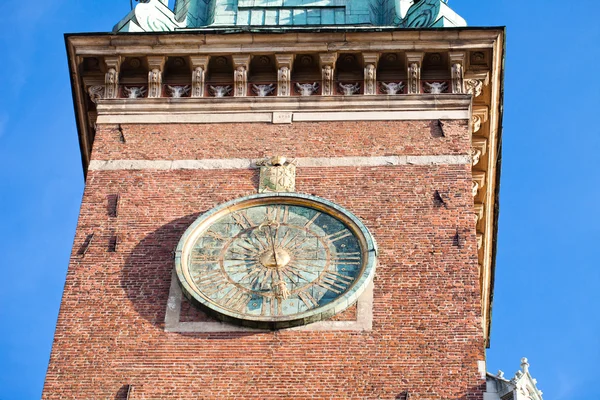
(426, 336)
(302, 139)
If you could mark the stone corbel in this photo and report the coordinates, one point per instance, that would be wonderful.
(478, 149)
(414, 62)
(240, 74)
(156, 65)
(111, 78)
(479, 241)
(284, 74)
(480, 116)
(474, 82)
(327, 61)
(199, 67)
(479, 209)
(478, 182)
(94, 86)
(371, 60)
(457, 62)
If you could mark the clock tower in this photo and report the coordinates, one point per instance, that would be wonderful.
(284, 199)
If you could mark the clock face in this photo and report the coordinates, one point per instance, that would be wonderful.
(275, 260)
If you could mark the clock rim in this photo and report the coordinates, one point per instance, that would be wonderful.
(345, 300)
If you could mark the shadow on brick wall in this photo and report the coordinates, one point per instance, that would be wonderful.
(146, 274)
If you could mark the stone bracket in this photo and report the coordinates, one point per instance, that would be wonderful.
(111, 78)
(478, 182)
(240, 74)
(327, 62)
(457, 63)
(480, 116)
(413, 62)
(199, 67)
(474, 82)
(155, 65)
(284, 74)
(479, 148)
(370, 74)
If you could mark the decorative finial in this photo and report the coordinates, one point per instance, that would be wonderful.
(524, 365)
(500, 374)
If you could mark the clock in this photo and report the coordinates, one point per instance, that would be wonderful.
(275, 260)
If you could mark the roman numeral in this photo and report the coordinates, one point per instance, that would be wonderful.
(312, 220)
(241, 219)
(236, 299)
(334, 237)
(335, 282)
(215, 235)
(346, 258)
(212, 282)
(308, 299)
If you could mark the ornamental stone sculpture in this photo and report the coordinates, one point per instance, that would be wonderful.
(220, 91)
(392, 87)
(179, 91)
(135, 92)
(307, 89)
(349, 88)
(263, 90)
(436, 87)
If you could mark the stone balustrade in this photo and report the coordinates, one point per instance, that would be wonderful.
(325, 74)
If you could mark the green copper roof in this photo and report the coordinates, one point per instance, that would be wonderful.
(156, 16)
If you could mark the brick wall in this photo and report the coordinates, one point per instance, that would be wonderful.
(426, 338)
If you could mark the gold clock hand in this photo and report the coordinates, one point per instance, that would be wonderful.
(273, 246)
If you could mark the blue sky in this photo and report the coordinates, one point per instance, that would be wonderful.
(547, 293)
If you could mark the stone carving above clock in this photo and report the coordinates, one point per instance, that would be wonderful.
(277, 175)
(275, 260)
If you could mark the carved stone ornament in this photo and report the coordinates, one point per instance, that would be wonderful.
(392, 88)
(475, 156)
(414, 73)
(457, 61)
(179, 91)
(479, 149)
(479, 208)
(478, 181)
(198, 82)
(436, 87)
(154, 83)
(111, 84)
(479, 241)
(284, 74)
(474, 82)
(307, 89)
(475, 188)
(134, 92)
(263, 90)
(96, 92)
(284, 77)
(457, 78)
(480, 115)
(241, 81)
(277, 175)
(473, 87)
(327, 73)
(349, 88)
(370, 79)
(220, 91)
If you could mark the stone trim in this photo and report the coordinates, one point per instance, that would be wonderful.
(363, 322)
(279, 117)
(306, 162)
